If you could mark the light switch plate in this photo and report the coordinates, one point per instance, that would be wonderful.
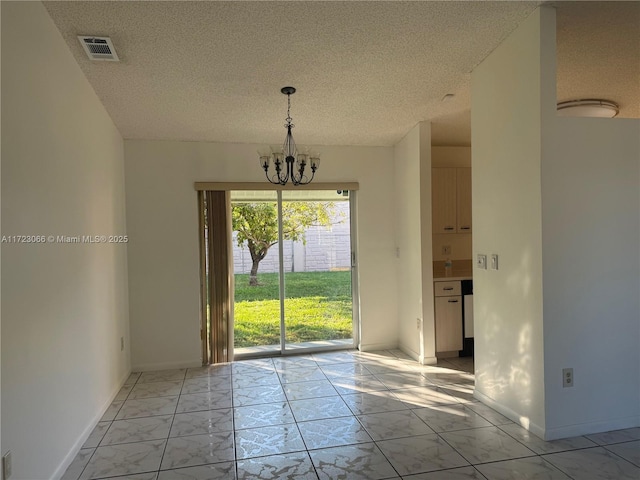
(494, 261)
(481, 261)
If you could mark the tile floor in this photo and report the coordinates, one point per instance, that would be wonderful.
(331, 416)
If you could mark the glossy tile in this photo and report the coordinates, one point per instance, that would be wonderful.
(217, 471)
(219, 369)
(403, 380)
(388, 425)
(132, 378)
(616, 436)
(125, 459)
(332, 432)
(318, 408)
(77, 465)
(461, 473)
(481, 445)
(462, 393)
(258, 394)
(373, 402)
(312, 389)
(450, 378)
(204, 401)
(138, 430)
(162, 376)
(364, 461)
(206, 384)
(155, 389)
(423, 397)
(112, 411)
(198, 450)
(629, 451)
(534, 468)
(262, 415)
(422, 453)
(282, 364)
(540, 446)
(137, 476)
(306, 374)
(264, 441)
(335, 357)
(594, 464)
(447, 418)
(387, 367)
(250, 378)
(96, 435)
(344, 369)
(253, 366)
(203, 422)
(488, 413)
(289, 466)
(146, 407)
(124, 392)
(397, 402)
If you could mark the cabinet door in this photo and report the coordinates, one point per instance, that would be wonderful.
(448, 324)
(443, 200)
(463, 200)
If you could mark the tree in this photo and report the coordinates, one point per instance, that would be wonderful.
(257, 225)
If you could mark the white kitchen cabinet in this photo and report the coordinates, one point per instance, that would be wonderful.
(451, 200)
(448, 316)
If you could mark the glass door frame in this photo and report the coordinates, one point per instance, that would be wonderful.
(355, 296)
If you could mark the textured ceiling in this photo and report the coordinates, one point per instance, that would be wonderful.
(366, 72)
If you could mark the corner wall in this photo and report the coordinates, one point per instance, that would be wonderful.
(591, 268)
(64, 306)
(412, 159)
(507, 220)
(162, 218)
(559, 200)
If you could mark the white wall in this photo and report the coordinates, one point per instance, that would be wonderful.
(163, 249)
(591, 268)
(558, 200)
(64, 306)
(506, 132)
(413, 238)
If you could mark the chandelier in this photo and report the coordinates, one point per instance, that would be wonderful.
(289, 164)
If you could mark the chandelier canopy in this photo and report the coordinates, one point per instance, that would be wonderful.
(289, 164)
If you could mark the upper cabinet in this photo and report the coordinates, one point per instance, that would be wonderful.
(451, 200)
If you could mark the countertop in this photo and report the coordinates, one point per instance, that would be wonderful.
(461, 270)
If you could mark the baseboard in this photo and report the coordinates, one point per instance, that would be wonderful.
(524, 422)
(417, 357)
(66, 461)
(414, 355)
(565, 431)
(147, 367)
(589, 428)
(372, 347)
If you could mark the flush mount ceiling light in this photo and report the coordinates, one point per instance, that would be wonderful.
(296, 163)
(591, 107)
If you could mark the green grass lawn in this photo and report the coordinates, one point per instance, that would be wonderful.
(317, 305)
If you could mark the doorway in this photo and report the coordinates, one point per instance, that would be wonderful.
(294, 271)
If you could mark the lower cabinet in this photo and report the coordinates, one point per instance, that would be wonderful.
(448, 313)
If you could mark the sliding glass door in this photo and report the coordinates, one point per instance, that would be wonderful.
(293, 267)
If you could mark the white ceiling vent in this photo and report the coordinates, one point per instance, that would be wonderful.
(99, 48)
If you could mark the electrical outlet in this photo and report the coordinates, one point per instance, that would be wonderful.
(6, 466)
(418, 322)
(446, 249)
(122, 344)
(481, 261)
(567, 377)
